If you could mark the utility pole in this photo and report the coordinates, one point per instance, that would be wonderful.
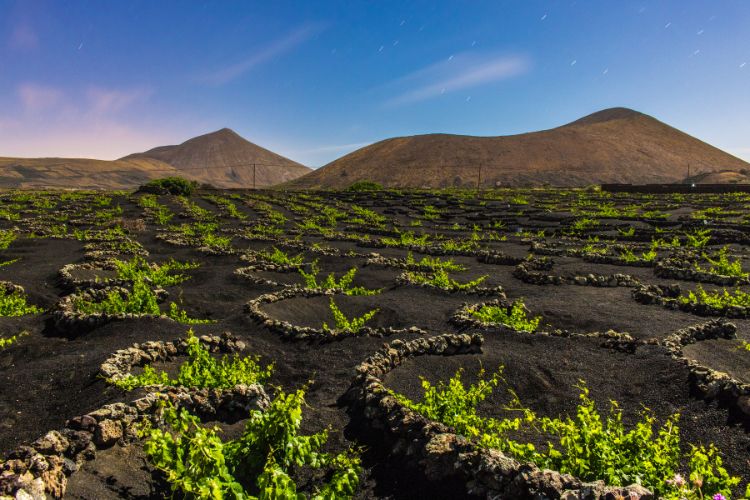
(479, 176)
(253, 176)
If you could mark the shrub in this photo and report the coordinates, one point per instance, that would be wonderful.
(159, 212)
(197, 463)
(202, 371)
(137, 269)
(630, 257)
(719, 299)
(6, 238)
(440, 279)
(698, 238)
(330, 283)
(345, 325)
(281, 258)
(514, 317)
(406, 239)
(170, 185)
(141, 300)
(13, 303)
(433, 263)
(364, 186)
(720, 264)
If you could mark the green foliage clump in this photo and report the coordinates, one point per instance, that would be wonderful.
(344, 325)
(202, 370)
(441, 279)
(582, 225)
(365, 216)
(459, 246)
(6, 238)
(515, 316)
(589, 446)
(433, 263)
(199, 464)
(720, 299)
(699, 238)
(195, 211)
(364, 186)
(161, 214)
(13, 304)
(406, 239)
(627, 255)
(8, 341)
(280, 258)
(141, 300)
(137, 269)
(170, 185)
(721, 264)
(331, 283)
(227, 205)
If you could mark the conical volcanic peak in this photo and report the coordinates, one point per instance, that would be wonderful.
(225, 159)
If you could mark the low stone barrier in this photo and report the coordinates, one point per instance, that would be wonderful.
(70, 321)
(290, 331)
(41, 470)
(709, 383)
(668, 296)
(441, 453)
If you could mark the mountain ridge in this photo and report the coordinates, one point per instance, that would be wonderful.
(221, 158)
(608, 146)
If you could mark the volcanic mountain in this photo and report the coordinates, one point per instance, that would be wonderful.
(222, 159)
(615, 145)
(226, 160)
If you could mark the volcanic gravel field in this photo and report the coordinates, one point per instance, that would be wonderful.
(559, 251)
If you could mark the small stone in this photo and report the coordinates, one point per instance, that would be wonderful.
(107, 432)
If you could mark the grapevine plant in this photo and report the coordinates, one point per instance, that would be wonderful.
(13, 303)
(141, 300)
(331, 283)
(588, 445)
(719, 299)
(344, 325)
(201, 370)
(260, 464)
(441, 279)
(515, 316)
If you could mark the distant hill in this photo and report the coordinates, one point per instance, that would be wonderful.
(80, 173)
(224, 159)
(610, 146)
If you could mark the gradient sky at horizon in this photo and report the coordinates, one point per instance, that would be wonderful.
(316, 80)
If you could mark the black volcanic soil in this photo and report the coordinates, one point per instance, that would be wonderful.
(48, 378)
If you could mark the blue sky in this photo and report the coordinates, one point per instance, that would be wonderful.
(315, 80)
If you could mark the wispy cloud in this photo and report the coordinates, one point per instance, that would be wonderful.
(106, 101)
(23, 37)
(459, 72)
(98, 122)
(35, 98)
(262, 55)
